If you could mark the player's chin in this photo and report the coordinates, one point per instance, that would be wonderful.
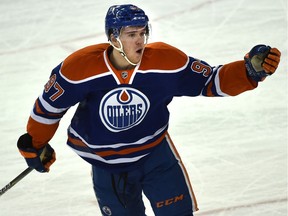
(137, 57)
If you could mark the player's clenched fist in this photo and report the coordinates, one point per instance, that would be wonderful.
(262, 61)
(39, 159)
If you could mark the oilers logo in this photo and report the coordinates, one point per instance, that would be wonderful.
(123, 108)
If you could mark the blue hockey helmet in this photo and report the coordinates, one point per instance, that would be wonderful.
(119, 16)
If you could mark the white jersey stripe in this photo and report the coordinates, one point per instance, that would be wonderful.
(118, 145)
(43, 120)
(217, 84)
(50, 108)
(113, 161)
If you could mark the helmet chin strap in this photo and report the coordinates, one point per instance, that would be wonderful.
(122, 51)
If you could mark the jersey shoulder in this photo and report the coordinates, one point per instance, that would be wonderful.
(162, 56)
(85, 63)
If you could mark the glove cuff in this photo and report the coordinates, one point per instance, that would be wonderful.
(254, 60)
(31, 155)
(26, 148)
(251, 72)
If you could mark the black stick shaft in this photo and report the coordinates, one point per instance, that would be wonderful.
(15, 180)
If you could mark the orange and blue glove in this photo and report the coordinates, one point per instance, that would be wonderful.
(38, 159)
(262, 61)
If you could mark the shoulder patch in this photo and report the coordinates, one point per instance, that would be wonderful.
(85, 63)
(161, 56)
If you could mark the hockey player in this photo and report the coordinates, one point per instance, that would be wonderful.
(122, 89)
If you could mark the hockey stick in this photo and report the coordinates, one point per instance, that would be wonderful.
(15, 180)
(44, 157)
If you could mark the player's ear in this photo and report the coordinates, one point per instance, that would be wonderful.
(114, 41)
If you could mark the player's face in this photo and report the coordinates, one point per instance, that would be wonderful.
(133, 40)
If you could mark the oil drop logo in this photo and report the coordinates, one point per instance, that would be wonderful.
(123, 108)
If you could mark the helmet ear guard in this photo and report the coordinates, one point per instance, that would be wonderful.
(115, 32)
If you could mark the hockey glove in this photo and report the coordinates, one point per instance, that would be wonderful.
(262, 61)
(39, 159)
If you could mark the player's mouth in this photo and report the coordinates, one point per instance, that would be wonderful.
(139, 51)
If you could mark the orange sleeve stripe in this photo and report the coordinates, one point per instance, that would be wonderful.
(209, 91)
(234, 80)
(37, 107)
(41, 133)
(39, 110)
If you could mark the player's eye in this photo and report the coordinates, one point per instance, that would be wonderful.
(132, 35)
